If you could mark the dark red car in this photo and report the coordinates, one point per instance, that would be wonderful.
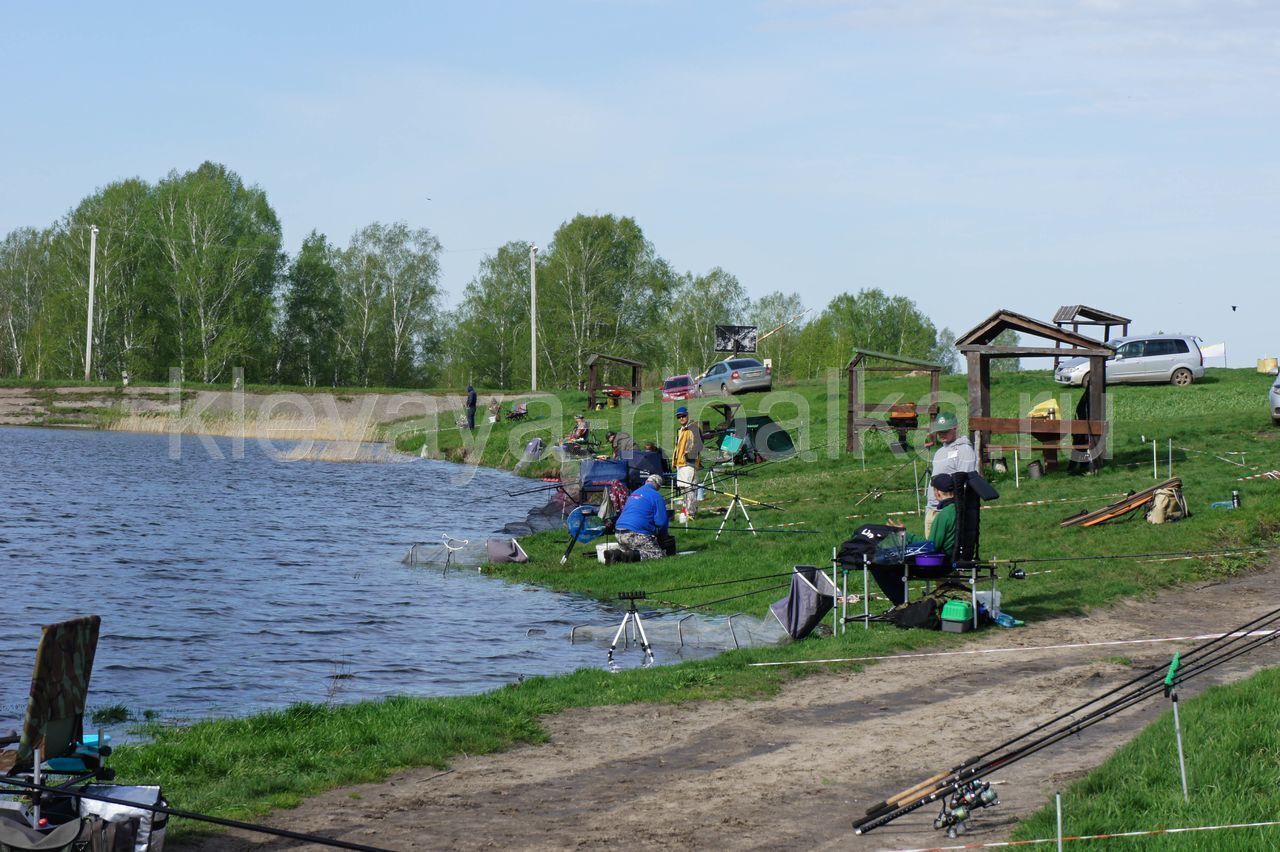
(677, 387)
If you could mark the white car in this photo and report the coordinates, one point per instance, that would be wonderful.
(1275, 401)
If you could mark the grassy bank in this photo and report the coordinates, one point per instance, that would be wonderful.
(243, 767)
(1231, 735)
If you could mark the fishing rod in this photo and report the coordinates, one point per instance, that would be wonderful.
(731, 494)
(723, 583)
(33, 787)
(760, 530)
(1187, 553)
(757, 465)
(970, 793)
(877, 489)
(1200, 649)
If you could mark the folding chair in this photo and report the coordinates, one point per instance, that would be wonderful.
(52, 748)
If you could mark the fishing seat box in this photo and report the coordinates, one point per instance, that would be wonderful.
(957, 617)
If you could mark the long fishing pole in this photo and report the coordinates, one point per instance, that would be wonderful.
(1222, 552)
(722, 583)
(1155, 671)
(1206, 657)
(757, 530)
(739, 496)
(1192, 654)
(877, 488)
(170, 811)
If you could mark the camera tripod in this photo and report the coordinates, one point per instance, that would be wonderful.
(631, 616)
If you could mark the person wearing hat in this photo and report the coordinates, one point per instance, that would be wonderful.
(622, 443)
(687, 459)
(644, 519)
(955, 455)
(942, 535)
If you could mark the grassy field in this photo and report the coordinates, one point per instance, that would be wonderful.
(1231, 736)
(243, 767)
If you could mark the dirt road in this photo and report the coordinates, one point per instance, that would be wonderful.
(792, 771)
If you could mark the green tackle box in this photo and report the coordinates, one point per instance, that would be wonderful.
(957, 616)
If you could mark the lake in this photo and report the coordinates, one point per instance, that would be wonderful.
(230, 585)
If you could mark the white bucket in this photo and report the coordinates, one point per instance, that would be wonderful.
(984, 599)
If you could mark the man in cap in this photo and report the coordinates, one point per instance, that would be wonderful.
(942, 536)
(643, 520)
(687, 460)
(623, 444)
(955, 455)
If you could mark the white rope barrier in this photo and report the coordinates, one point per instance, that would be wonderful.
(1001, 844)
(1018, 649)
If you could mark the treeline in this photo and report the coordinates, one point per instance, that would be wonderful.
(190, 273)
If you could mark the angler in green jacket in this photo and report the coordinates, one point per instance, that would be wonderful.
(943, 530)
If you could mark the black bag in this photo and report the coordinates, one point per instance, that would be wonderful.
(922, 613)
(862, 543)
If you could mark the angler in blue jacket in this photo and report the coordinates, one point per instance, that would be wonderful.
(643, 519)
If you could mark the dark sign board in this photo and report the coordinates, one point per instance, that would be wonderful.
(735, 338)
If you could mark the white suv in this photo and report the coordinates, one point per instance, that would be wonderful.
(1174, 358)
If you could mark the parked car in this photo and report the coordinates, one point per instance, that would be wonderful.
(1174, 358)
(735, 375)
(677, 387)
(1275, 401)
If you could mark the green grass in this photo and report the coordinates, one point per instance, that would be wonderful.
(1231, 735)
(243, 767)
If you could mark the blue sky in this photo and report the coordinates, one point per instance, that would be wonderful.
(970, 155)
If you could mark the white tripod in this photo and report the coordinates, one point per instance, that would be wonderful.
(631, 616)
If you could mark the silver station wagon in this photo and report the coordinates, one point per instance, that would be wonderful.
(735, 375)
(1173, 358)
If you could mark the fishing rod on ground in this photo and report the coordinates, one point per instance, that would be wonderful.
(752, 466)
(970, 793)
(33, 787)
(1204, 648)
(1188, 553)
(756, 530)
(878, 489)
(733, 494)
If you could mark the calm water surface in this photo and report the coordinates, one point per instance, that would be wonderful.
(231, 585)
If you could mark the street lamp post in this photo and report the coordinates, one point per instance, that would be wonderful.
(533, 317)
(88, 332)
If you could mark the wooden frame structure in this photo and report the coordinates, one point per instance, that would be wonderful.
(977, 347)
(1078, 315)
(593, 377)
(856, 420)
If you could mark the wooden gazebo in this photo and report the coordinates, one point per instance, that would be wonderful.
(593, 377)
(977, 347)
(1078, 315)
(856, 419)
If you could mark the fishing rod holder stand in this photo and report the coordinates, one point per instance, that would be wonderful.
(631, 618)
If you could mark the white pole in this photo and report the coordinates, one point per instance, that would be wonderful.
(533, 317)
(1155, 461)
(88, 332)
(1057, 797)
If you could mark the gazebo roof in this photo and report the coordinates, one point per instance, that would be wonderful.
(860, 354)
(597, 356)
(1085, 315)
(980, 337)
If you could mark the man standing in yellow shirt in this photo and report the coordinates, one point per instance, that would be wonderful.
(687, 459)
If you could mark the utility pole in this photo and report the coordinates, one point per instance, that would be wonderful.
(533, 316)
(88, 332)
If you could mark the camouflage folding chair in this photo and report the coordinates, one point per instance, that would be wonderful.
(54, 723)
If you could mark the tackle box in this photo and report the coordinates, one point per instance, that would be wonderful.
(957, 616)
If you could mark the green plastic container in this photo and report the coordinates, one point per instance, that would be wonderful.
(957, 611)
